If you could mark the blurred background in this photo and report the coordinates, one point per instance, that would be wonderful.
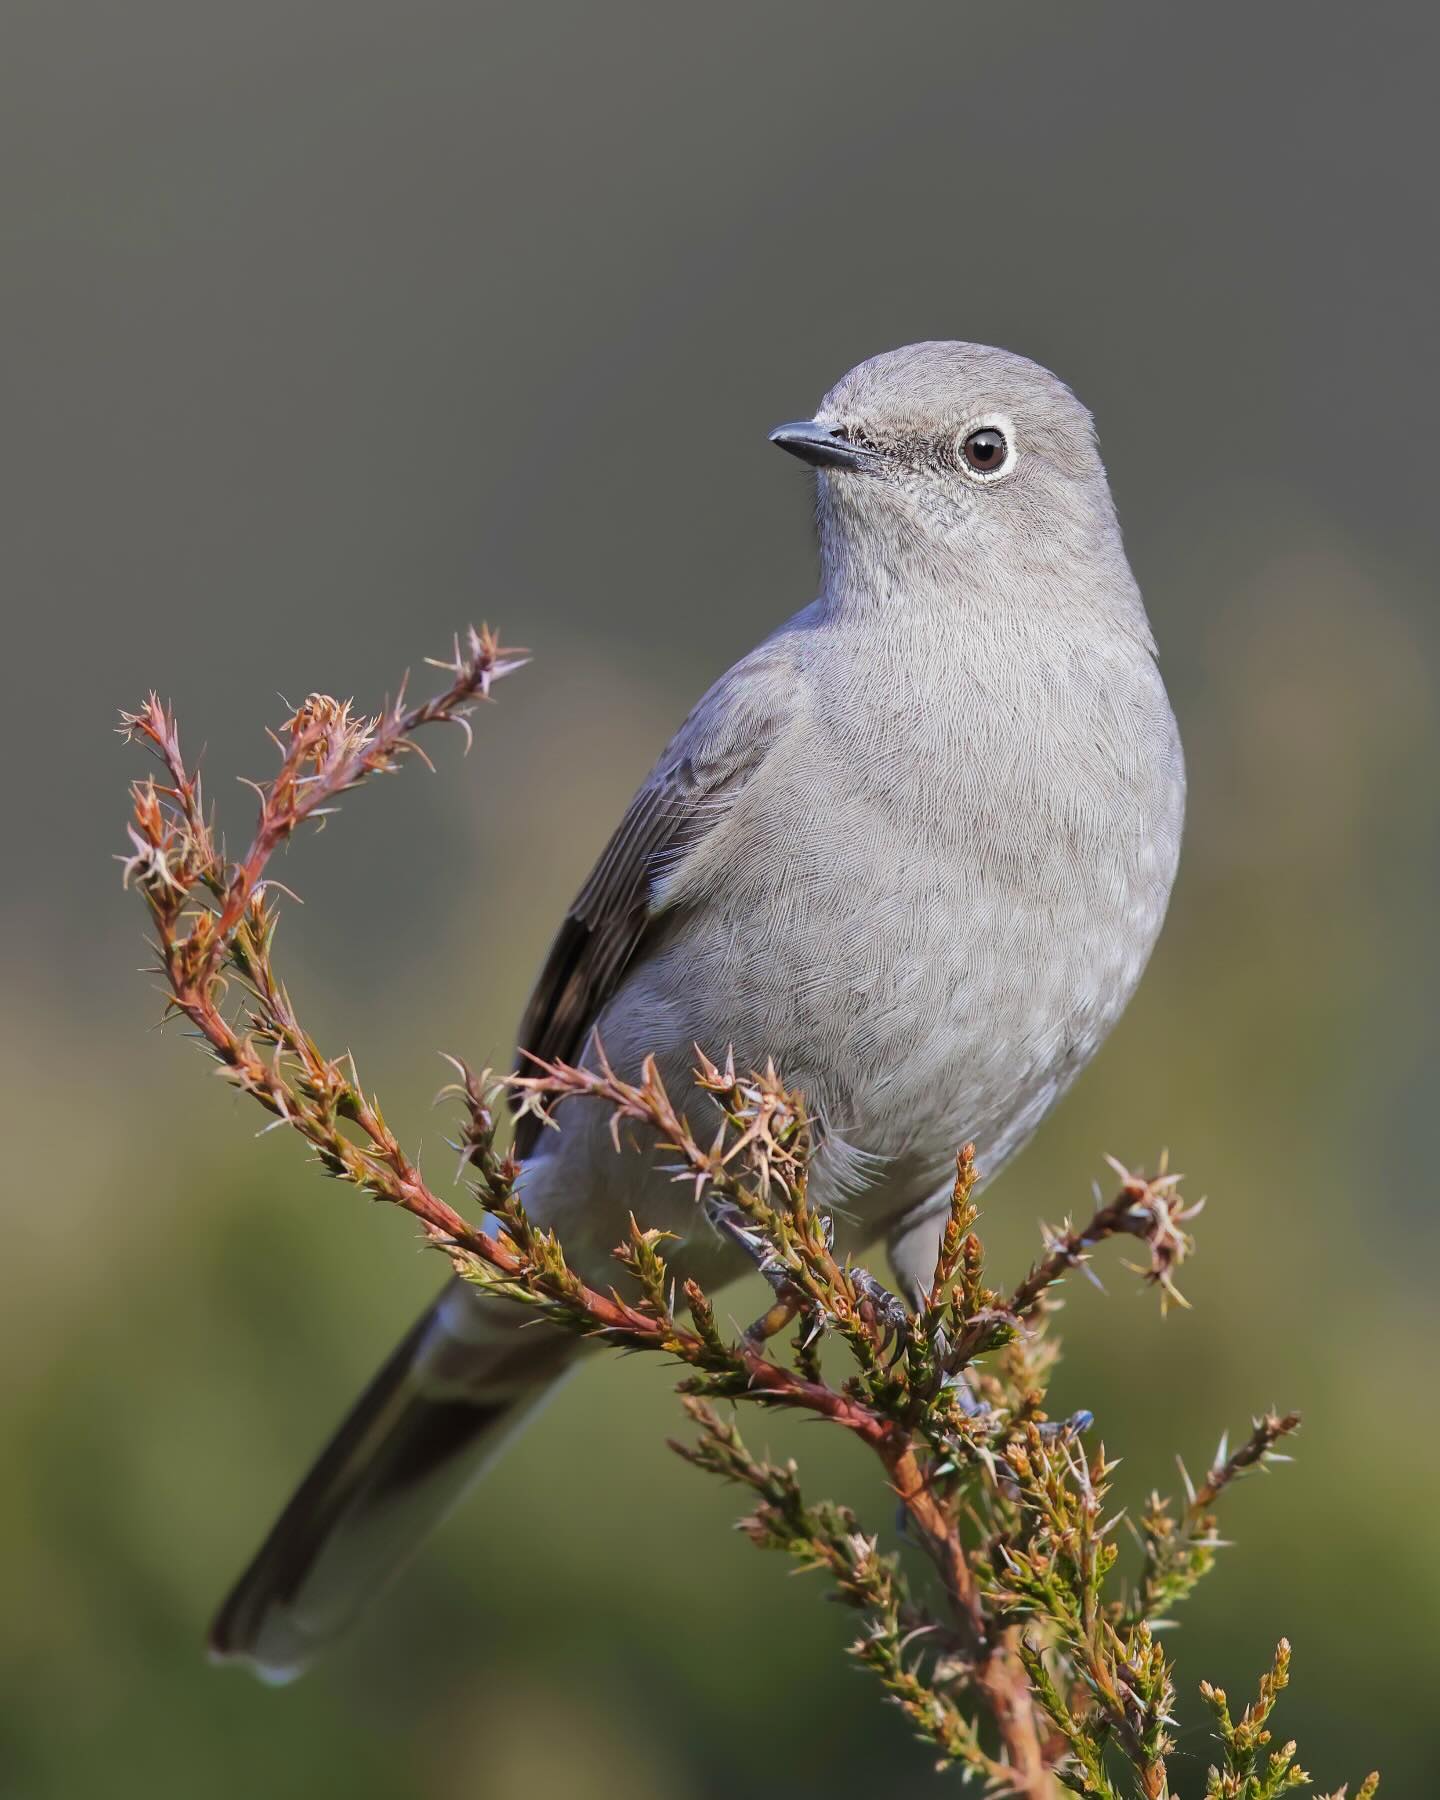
(330, 328)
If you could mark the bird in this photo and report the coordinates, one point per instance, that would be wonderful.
(915, 848)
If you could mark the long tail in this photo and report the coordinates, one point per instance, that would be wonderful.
(423, 1431)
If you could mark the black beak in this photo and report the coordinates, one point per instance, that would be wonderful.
(825, 446)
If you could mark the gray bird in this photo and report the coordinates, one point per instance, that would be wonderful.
(916, 847)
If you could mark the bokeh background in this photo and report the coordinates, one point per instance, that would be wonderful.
(331, 327)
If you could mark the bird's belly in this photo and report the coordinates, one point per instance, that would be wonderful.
(953, 999)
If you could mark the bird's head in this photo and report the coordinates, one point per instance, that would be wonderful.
(945, 452)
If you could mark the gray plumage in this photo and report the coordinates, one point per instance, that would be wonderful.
(916, 847)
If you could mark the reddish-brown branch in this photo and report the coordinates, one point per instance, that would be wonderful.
(404, 1187)
(997, 1669)
(1257, 1449)
(330, 750)
(340, 750)
(213, 922)
(1146, 1207)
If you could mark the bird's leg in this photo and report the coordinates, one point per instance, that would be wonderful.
(774, 1320)
(732, 1224)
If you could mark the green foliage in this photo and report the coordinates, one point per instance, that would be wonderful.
(1252, 1770)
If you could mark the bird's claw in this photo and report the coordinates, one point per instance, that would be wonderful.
(731, 1223)
(884, 1309)
(1062, 1430)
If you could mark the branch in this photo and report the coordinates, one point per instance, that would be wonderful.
(1007, 1506)
(1179, 1553)
(1146, 1207)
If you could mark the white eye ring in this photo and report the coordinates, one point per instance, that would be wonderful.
(971, 465)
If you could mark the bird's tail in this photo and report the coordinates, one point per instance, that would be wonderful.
(423, 1431)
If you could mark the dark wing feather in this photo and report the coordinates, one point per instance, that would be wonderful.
(711, 760)
(602, 928)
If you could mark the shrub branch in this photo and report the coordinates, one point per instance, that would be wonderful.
(1013, 1659)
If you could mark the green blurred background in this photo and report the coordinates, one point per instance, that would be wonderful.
(331, 327)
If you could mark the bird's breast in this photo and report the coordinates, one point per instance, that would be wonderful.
(936, 913)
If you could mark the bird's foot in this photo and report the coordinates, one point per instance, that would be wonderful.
(731, 1223)
(882, 1309)
(1055, 1431)
(1051, 1431)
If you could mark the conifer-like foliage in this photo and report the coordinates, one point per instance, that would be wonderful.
(1020, 1657)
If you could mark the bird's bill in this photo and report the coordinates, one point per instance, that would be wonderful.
(825, 446)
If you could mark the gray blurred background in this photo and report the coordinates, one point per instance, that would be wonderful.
(331, 327)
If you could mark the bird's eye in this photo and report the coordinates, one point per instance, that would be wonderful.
(985, 450)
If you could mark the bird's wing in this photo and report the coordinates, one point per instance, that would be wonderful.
(707, 765)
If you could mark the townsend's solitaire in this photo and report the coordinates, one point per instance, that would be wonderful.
(916, 847)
